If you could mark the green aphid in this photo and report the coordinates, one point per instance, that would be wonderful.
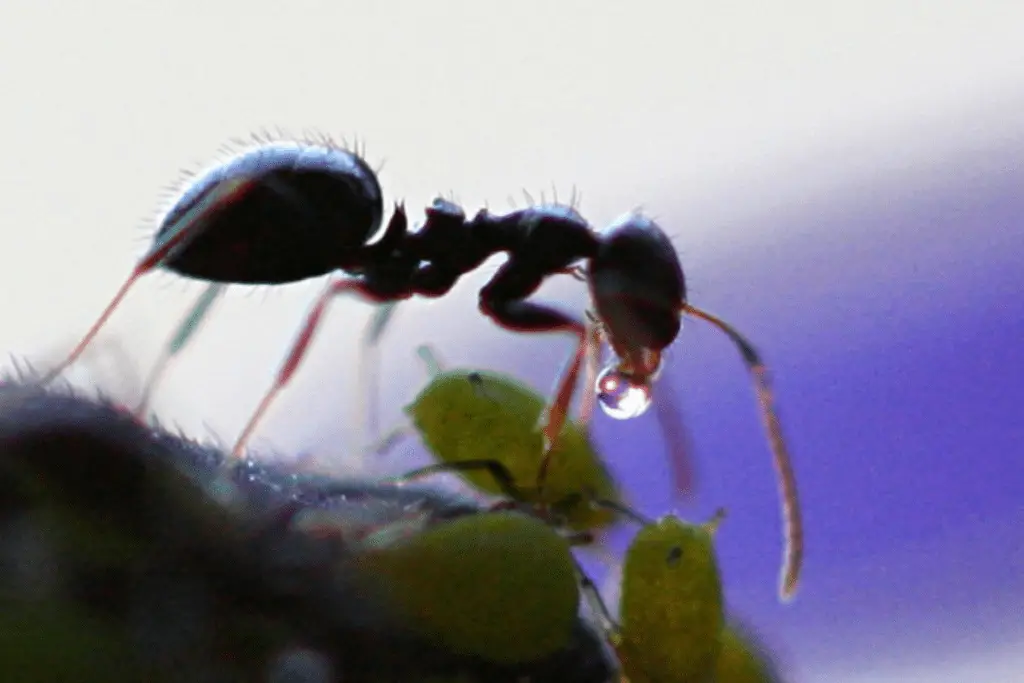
(671, 608)
(743, 660)
(497, 585)
(469, 416)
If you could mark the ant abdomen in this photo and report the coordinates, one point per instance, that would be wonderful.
(637, 283)
(277, 213)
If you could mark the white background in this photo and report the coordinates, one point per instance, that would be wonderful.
(708, 111)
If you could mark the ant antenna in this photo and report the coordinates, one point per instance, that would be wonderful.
(793, 535)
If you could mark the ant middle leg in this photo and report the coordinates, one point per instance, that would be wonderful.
(388, 281)
(187, 327)
(300, 346)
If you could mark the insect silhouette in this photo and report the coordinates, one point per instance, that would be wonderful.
(281, 212)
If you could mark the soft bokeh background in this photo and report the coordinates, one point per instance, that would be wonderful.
(843, 182)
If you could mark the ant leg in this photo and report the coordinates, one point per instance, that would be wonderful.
(139, 271)
(496, 469)
(575, 272)
(186, 329)
(593, 365)
(558, 410)
(793, 524)
(173, 239)
(298, 350)
(502, 300)
(677, 438)
(368, 384)
(368, 387)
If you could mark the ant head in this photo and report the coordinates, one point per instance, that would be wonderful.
(638, 290)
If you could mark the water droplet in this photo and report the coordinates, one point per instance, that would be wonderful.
(620, 397)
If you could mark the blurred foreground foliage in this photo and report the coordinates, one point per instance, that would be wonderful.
(131, 554)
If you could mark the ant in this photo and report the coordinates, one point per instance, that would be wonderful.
(284, 211)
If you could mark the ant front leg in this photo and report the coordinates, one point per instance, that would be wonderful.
(502, 299)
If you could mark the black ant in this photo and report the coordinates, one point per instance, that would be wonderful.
(288, 211)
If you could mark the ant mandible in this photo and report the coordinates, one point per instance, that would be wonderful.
(284, 211)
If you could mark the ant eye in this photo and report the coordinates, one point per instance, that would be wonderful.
(620, 397)
(675, 554)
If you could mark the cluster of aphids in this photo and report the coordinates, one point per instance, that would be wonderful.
(129, 554)
(496, 584)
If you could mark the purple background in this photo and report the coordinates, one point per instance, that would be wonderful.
(889, 309)
(894, 324)
(890, 312)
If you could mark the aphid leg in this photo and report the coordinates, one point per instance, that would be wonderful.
(186, 329)
(298, 350)
(596, 604)
(793, 525)
(587, 541)
(174, 238)
(501, 474)
(620, 509)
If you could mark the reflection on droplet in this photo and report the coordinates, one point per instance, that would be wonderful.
(620, 397)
